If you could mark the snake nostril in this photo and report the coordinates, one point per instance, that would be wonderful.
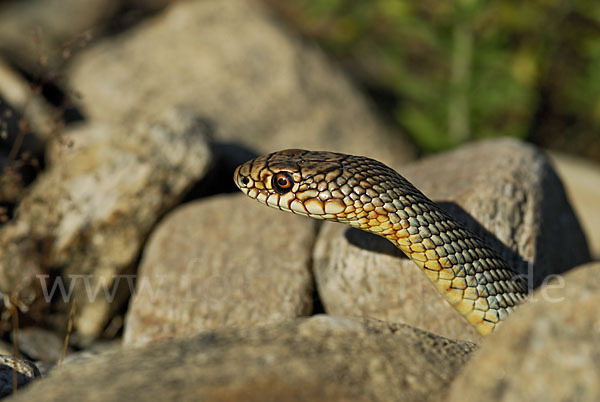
(245, 181)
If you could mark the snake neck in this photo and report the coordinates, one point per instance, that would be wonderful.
(468, 274)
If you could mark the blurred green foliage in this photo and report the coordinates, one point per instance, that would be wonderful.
(468, 69)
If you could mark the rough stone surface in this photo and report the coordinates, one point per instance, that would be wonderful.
(90, 212)
(26, 372)
(582, 182)
(221, 261)
(90, 353)
(316, 359)
(503, 190)
(549, 351)
(37, 33)
(41, 344)
(231, 61)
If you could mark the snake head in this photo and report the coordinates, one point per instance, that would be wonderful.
(368, 195)
(295, 180)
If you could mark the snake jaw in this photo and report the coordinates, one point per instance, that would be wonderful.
(304, 194)
(299, 199)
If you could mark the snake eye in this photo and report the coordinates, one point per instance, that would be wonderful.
(282, 182)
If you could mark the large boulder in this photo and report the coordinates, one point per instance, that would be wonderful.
(317, 359)
(221, 261)
(90, 213)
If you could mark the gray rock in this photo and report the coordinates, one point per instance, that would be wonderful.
(90, 353)
(549, 351)
(503, 190)
(221, 261)
(316, 359)
(96, 349)
(90, 212)
(41, 344)
(231, 61)
(26, 372)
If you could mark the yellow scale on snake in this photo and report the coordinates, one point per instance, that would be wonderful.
(368, 195)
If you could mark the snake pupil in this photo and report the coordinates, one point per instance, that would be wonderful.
(282, 182)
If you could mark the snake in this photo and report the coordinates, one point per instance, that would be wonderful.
(366, 194)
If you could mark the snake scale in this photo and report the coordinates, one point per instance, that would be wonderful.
(366, 194)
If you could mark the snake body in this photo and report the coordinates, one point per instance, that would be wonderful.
(366, 194)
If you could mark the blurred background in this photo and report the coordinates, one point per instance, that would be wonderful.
(451, 72)
(444, 72)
